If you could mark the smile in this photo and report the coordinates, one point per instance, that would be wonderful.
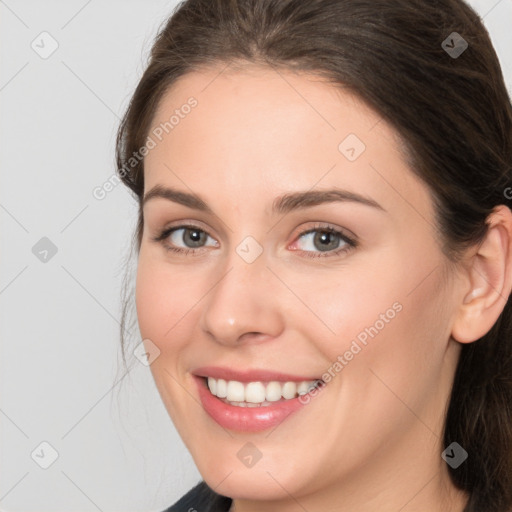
(254, 400)
(257, 394)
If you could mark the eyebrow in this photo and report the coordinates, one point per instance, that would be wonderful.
(282, 204)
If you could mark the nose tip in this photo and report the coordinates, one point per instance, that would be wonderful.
(242, 306)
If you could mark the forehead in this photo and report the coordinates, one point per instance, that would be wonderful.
(261, 128)
(268, 98)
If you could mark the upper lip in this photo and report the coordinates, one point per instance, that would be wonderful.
(249, 375)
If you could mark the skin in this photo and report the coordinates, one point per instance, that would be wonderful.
(372, 439)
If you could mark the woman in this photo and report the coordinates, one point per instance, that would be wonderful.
(325, 252)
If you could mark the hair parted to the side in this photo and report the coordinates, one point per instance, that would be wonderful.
(454, 117)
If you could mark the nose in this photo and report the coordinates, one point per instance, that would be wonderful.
(243, 305)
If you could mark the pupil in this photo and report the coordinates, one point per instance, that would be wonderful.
(325, 240)
(196, 236)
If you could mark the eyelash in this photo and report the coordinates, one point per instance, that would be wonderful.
(326, 228)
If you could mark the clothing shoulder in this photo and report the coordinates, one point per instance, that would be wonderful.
(201, 499)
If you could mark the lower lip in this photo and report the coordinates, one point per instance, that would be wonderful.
(246, 419)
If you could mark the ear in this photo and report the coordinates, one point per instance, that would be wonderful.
(489, 274)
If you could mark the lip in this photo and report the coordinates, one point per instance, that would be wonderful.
(247, 419)
(253, 375)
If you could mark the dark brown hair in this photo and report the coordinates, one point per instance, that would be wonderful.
(453, 114)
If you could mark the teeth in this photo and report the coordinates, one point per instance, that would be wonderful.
(290, 389)
(222, 388)
(253, 394)
(236, 391)
(212, 385)
(273, 391)
(303, 388)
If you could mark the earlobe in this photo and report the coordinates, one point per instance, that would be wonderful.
(489, 274)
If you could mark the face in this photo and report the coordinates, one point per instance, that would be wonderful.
(285, 239)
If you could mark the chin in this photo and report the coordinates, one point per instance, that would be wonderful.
(268, 479)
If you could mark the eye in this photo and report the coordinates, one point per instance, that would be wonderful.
(324, 239)
(190, 237)
(320, 241)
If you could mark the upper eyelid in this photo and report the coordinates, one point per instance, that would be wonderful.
(184, 224)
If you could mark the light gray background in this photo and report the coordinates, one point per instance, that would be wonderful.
(61, 377)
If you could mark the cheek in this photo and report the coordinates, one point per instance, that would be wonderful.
(168, 300)
(148, 300)
(163, 303)
(388, 314)
(392, 340)
(356, 303)
(160, 300)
